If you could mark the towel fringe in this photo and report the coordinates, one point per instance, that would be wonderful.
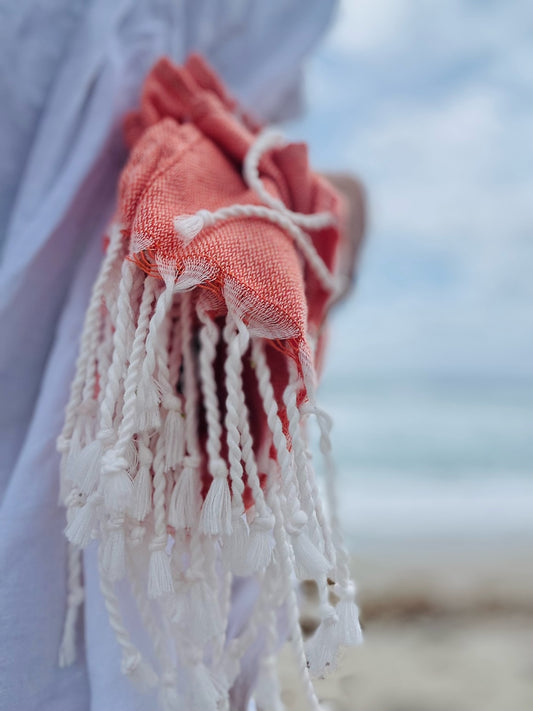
(187, 458)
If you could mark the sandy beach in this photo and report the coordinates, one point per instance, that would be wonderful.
(447, 628)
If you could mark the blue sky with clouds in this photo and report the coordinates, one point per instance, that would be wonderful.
(431, 104)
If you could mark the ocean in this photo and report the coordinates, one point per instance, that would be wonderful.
(432, 458)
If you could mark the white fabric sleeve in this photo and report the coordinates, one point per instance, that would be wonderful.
(79, 67)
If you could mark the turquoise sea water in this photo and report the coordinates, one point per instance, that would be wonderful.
(433, 458)
(447, 428)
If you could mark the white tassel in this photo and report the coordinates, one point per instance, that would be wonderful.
(141, 497)
(310, 564)
(322, 648)
(148, 412)
(261, 542)
(81, 526)
(89, 466)
(159, 573)
(118, 488)
(184, 500)
(174, 438)
(215, 518)
(70, 450)
(188, 226)
(114, 550)
(349, 627)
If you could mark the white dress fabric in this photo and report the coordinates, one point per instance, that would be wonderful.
(69, 70)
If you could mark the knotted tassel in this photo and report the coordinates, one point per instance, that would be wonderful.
(349, 627)
(88, 465)
(83, 523)
(215, 518)
(260, 542)
(322, 648)
(173, 435)
(159, 573)
(141, 497)
(148, 412)
(117, 482)
(185, 498)
(310, 564)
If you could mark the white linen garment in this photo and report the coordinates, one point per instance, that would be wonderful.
(69, 70)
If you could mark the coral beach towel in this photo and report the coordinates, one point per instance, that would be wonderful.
(185, 449)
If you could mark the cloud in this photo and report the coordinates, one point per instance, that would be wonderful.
(430, 104)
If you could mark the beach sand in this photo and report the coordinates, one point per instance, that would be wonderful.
(447, 628)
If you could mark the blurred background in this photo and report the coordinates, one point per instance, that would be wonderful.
(430, 370)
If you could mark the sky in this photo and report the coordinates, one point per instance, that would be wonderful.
(431, 105)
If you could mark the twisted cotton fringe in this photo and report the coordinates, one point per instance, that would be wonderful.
(169, 511)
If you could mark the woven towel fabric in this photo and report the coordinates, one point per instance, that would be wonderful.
(188, 146)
